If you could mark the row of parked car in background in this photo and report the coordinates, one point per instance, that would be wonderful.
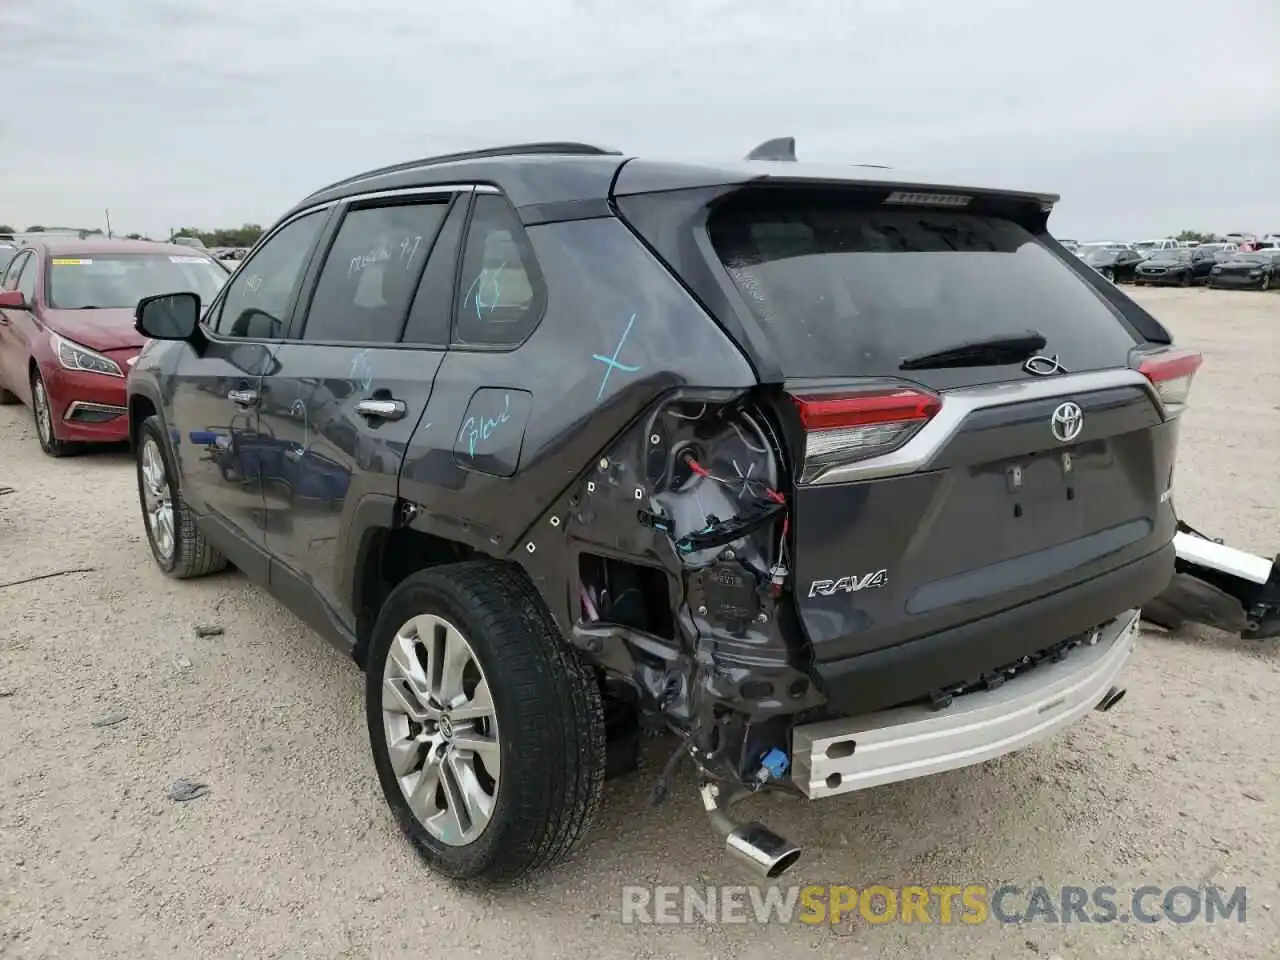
(1238, 261)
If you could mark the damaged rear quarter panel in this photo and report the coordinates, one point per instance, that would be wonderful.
(618, 334)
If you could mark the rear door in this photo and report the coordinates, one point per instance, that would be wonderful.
(932, 492)
(213, 411)
(349, 386)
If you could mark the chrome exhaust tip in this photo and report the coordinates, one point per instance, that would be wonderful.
(752, 844)
(762, 850)
(1110, 699)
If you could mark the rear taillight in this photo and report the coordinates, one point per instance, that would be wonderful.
(847, 427)
(1171, 372)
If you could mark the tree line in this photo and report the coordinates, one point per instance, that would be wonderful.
(245, 235)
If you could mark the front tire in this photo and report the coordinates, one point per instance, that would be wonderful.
(42, 411)
(487, 729)
(1266, 281)
(177, 544)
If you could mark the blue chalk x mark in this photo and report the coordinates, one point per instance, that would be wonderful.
(476, 291)
(362, 370)
(611, 363)
(487, 425)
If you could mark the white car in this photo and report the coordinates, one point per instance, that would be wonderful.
(1148, 247)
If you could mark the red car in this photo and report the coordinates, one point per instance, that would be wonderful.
(66, 329)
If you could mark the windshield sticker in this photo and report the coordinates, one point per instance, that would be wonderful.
(68, 261)
(188, 259)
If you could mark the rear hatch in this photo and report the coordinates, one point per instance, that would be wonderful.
(972, 423)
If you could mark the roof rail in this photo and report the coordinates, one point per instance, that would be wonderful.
(566, 147)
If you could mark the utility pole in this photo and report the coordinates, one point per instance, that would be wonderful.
(108, 223)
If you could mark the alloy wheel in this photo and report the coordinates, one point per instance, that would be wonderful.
(441, 729)
(157, 500)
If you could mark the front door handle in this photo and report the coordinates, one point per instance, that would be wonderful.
(381, 409)
(243, 398)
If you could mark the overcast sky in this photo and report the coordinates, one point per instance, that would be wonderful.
(1147, 116)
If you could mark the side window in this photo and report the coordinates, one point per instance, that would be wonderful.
(258, 298)
(372, 271)
(27, 279)
(502, 295)
(15, 268)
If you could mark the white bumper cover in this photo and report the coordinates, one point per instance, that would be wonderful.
(838, 756)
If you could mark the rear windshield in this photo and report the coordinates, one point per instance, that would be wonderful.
(94, 281)
(842, 288)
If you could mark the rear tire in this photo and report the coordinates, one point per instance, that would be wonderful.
(177, 544)
(43, 414)
(541, 730)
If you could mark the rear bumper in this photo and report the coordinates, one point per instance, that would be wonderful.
(900, 674)
(838, 756)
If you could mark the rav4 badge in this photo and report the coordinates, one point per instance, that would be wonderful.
(827, 588)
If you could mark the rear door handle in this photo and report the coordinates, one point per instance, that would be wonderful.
(243, 398)
(381, 409)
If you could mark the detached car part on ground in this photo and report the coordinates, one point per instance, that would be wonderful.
(609, 447)
(1219, 586)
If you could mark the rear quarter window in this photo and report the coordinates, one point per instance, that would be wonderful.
(845, 288)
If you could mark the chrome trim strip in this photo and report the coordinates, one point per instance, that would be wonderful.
(957, 405)
(77, 405)
(424, 190)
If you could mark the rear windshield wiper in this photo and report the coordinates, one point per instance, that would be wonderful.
(989, 351)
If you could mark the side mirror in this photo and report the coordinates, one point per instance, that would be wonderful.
(12, 300)
(168, 316)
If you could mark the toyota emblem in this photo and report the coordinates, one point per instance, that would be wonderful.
(1067, 421)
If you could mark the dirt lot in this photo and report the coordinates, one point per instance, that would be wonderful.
(293, 853)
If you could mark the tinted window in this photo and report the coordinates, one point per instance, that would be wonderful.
(372, 271)
(259, 295)
(11, 273)
(433, 303)
(6, 257)
(502, 296)
(27, 278)
(120, 280)
(843, 288)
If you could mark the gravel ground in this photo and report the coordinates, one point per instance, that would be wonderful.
(292, 853)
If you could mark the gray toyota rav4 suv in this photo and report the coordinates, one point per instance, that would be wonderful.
(831, 476)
